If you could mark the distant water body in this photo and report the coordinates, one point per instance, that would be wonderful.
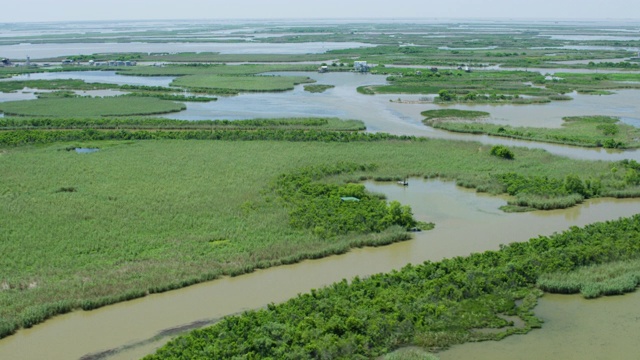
(42, 51)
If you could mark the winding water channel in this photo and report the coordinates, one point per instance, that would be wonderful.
(465, 222)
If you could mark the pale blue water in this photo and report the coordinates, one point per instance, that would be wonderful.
(106, 77)
(86, 150)
(631, 121)
(383, 113)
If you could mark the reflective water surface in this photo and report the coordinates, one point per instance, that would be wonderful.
(394, 114)
(106, 77)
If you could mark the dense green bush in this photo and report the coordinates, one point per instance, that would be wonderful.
(23, 137)
(11, 123)
(545, 193)
(502, 151)
(331, 209)
(430, 305)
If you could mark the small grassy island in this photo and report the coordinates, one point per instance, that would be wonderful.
(452, 114)
(90, 107)
(222, 83)
(317, 88)
(587, 131)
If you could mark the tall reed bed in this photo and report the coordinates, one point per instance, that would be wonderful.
(148, 216)
(88, 107)
(240, 83)
(593, 281)
(587, 131)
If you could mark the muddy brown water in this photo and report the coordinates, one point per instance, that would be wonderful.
(574, 328)
(465, 222)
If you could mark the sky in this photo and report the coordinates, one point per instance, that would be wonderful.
(84, 10)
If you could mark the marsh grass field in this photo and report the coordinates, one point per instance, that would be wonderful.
(615, 278)
(48, 123)
(137, 217)
(240, 83)
(587, 131)
(317, 88)
(453, 114)
(65, 84)
(213, 69)
(504, 86)
(91, 107)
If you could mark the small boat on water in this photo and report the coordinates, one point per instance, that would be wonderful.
(403, 182)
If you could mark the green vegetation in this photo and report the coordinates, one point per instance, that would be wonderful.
(88, 107)
(502, 152)
(412, 353)
(66, 84)
(432, 305)
(498, 86)
(330, 209)
(537, 192)
(6, 72)
(589, 131)
(317, 88)
(470, 52)
(453, 114)
(239, 83)
(616, 65)
(526, 46)
(24, 137)
(208, 57)
(212, 69)
(594, 281)
(326, 124)
(173, 97)
(56, 94)
(458, 85)
(139, 219)
(592, 83)
(64, 87)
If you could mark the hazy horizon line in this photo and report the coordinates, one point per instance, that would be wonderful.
(355, 19)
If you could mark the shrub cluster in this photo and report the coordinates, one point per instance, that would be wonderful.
(544, 193)
(331, 209)
(23, 137)
(502, 151)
